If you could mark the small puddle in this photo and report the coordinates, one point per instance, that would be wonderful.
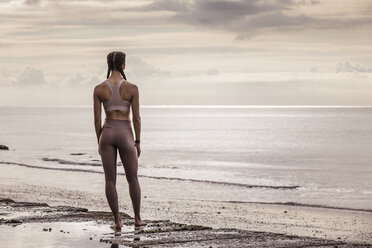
(64, 235)
(130, 234)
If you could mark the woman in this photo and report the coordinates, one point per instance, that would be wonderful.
(117, 95)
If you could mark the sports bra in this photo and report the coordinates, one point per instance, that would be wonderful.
(115, 102)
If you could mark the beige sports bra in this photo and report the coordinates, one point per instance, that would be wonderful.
(115, 102)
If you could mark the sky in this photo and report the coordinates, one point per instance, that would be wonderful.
(183, 52)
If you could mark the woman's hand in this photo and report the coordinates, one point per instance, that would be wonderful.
(138, 149)
(99, 152)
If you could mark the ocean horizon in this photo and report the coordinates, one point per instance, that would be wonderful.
(305, 155)
(205, 106)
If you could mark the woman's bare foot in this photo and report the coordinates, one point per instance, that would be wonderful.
(139, 222)
(117, 226)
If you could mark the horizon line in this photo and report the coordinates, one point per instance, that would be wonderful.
(204, 106)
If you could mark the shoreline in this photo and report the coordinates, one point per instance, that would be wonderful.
(153, 177)
(205, 181)
(48, 186)
(92, 227)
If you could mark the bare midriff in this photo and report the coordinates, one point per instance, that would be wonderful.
(117, 115)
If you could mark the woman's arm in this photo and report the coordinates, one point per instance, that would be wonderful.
(97, 113)
(136, 117)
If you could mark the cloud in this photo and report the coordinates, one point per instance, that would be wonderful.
(140, 70)
(249, 18)
(31, 2)
(243, 18)
(137, 70)
(212, 71)
(166, 5)
(31, 76)
(348, 67)
(342, 67)
(216, 14)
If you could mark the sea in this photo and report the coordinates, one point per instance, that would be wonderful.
(304, 155)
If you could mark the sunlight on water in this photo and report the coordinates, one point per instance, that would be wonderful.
(323, 150)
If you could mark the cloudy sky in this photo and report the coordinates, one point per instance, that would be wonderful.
(244, 52)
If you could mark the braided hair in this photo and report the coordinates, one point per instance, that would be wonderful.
(114, 62)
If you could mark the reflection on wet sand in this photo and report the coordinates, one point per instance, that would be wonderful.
(43, 226)
(134, 235)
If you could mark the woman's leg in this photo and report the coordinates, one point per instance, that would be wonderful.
(108, 156)
(129, 159)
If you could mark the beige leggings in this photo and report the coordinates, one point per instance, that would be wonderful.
(117, 135)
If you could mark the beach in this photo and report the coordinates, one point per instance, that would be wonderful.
(345, 227)
(42, 225)
(301, 172)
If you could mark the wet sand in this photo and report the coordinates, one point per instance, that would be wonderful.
(35, 223)
(263, 225)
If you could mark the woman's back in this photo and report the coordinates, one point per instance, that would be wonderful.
(116, 97)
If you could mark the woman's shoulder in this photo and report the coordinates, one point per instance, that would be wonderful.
(99, 89)
(100, 85)
(131, 86)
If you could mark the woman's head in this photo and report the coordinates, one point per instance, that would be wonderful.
(116, 61)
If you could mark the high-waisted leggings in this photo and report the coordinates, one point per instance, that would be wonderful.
(117, 135)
